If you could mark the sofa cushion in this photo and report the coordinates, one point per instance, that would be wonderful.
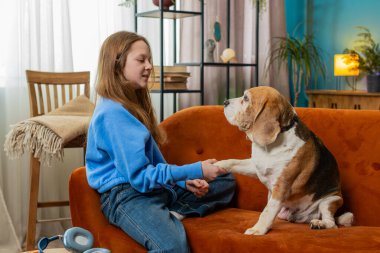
(223, 231)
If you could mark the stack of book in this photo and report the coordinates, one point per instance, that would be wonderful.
(175, 78)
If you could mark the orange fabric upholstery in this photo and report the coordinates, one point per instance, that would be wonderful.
(202, 132)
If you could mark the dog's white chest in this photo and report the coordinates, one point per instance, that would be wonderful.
(272, 159)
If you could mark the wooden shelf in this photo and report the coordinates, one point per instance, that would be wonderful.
(170, 14)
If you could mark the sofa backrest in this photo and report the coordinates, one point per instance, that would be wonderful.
(202, 132)
(353, 137)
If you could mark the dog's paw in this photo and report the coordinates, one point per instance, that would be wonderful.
(224, 164)
(345, 219)
(255, 230)
(322, 224)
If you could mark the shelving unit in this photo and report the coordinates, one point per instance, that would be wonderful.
(178, 14)
(230, 65)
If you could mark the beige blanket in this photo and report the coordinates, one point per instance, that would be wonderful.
(45, 136)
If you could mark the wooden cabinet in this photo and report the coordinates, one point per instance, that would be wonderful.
(344, 99)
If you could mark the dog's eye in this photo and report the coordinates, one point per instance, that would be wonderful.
(245, 98)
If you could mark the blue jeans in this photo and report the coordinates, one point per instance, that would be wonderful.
(145, 216)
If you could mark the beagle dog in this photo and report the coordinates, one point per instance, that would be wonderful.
(300, 173)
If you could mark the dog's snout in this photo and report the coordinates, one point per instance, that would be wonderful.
(226, 102)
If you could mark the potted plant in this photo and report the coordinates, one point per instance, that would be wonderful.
(305, 61)
(369, 58)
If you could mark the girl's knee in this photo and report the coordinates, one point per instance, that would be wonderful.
(226, 182)
(229, 177)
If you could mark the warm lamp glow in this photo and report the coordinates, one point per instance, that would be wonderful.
(346, 65)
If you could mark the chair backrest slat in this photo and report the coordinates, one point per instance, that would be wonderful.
(71, 92)
(47, 88)
(63, 92)
(55, 97)
(42, 101)
(78, 89)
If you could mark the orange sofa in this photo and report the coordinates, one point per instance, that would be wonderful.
(199, 133)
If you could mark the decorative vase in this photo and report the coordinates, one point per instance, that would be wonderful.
(210, 47)
(373, 83)
(166, 4)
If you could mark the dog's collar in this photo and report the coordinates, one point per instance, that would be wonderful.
(291, 124)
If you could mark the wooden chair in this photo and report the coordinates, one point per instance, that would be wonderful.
(48, 91)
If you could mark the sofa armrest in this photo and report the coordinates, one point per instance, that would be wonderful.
(85, 203)
(86, 213)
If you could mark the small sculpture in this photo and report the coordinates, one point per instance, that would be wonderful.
(228, 55)
(210, 47)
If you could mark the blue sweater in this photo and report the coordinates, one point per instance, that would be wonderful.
(120, 149)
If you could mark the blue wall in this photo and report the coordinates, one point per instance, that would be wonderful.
(334, 23)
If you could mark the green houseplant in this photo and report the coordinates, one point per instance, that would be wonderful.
(304, 59)
(369, 58)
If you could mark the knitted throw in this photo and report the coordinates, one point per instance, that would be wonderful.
(45, 136)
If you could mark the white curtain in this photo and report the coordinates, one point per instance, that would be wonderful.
(8, 237)
(242, 40)
(45, 35)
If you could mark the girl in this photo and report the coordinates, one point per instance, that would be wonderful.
(140, 192)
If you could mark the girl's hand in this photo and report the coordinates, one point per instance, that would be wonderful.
(197, 186)
(210, 171)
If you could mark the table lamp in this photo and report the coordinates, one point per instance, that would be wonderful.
(346, 65)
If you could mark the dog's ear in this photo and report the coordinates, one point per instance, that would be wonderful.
(286, 111)
(265, 127)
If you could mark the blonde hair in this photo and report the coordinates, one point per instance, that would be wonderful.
(111, 83)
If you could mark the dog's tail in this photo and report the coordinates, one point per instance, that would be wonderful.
(345, 219)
